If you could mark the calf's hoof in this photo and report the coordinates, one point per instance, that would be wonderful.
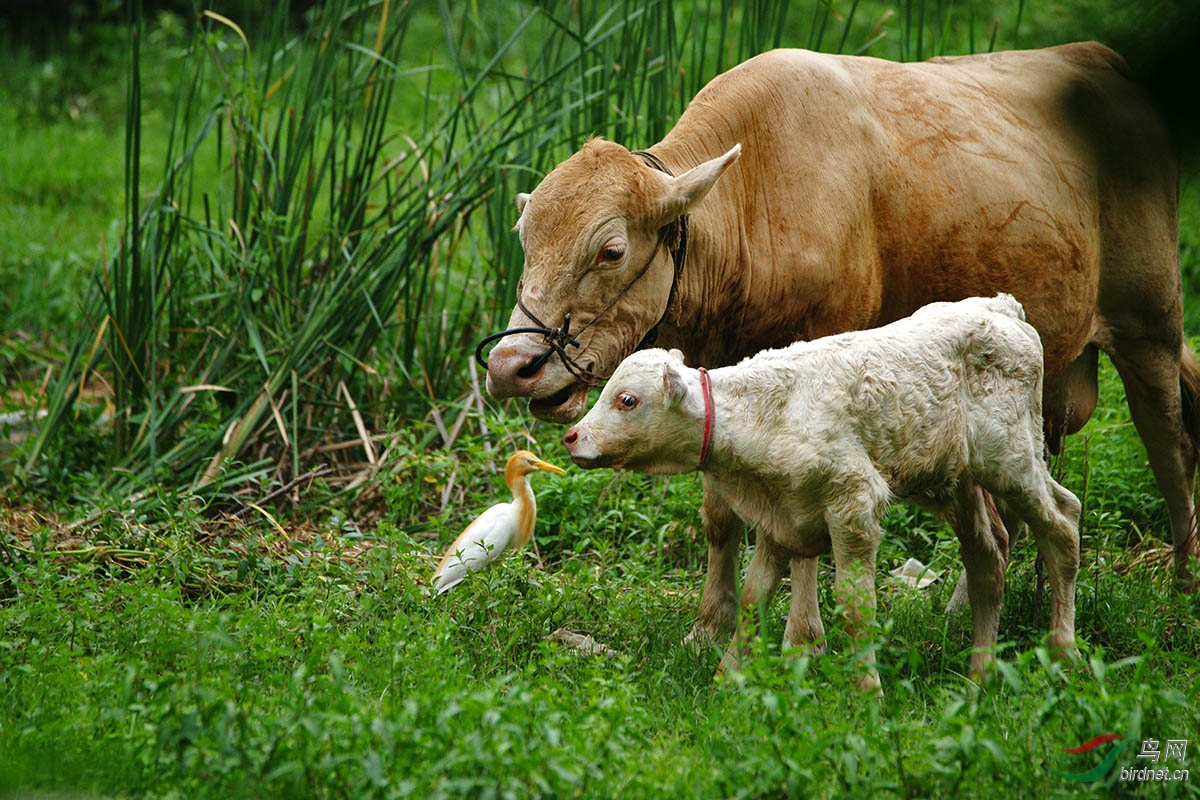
(870, 684)
(1062, 647)
(959, 600)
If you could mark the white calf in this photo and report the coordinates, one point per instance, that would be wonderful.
(813, 442)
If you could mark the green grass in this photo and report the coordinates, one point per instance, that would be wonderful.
(197, 659)
(160, 639)
(325, 681)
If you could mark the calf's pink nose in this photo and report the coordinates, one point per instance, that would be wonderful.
(571, 438)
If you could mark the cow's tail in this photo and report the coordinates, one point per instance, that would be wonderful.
(1189, 386)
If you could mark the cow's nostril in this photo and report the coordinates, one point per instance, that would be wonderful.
(571, 437)
(535, 366)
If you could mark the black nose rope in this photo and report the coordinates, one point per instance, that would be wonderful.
(674, 234)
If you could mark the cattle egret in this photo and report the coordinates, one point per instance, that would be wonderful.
(495, 531)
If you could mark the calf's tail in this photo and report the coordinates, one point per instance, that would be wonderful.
(1004, 303)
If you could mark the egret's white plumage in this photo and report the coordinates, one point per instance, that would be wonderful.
(497, 530)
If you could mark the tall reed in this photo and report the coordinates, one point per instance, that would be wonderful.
(235, 308)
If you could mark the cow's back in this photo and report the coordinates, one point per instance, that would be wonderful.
(869, 188)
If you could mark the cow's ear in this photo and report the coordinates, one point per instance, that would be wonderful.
(522, 201)
(688, 189)
(674, 387)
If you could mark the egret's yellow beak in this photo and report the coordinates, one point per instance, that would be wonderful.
(547, 467)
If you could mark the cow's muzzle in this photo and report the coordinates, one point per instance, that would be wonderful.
(518, 368)
(557, 340)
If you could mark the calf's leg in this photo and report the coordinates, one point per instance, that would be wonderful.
(804, 615)
(1052, 514)
(1068, 400)
(723, 530)
(856, 539)
(983, 545)
(762, 581)
(1004, 527)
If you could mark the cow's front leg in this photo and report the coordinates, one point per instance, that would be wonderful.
(718, 605)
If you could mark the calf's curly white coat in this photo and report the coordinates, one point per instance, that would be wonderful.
(812, 443)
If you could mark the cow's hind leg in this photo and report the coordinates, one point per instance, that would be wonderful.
(717, 617)
(1151, 372)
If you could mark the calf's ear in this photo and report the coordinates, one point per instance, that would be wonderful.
(674, 388)
(688, 189)
(522, 199)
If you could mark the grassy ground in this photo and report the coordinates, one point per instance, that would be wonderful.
(235, 657)
(183, 648)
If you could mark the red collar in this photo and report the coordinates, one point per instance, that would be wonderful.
(706, 390)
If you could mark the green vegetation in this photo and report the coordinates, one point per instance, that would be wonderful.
(253, 340)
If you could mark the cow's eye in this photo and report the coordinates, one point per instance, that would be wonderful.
(627, 400)
(612, 253)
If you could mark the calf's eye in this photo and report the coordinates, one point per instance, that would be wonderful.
(627, 400)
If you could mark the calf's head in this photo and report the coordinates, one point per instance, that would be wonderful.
(649, 418)
(591, 236)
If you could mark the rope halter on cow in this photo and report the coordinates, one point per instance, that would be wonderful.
(674, 235)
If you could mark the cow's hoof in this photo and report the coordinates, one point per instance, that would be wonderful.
(730, 663)
(1185, 579)
(703, 636)
(1062, 646)
(709, 630)
(870, 684)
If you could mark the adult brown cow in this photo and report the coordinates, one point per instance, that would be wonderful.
(862, 190)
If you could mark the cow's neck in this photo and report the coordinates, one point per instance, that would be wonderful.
(719, 317)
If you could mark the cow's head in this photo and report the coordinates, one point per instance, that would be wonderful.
(590, 231)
